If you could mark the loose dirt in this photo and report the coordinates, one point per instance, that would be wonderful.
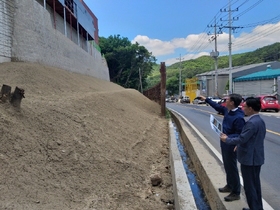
(78, 142)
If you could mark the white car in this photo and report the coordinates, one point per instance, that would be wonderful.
(215, 99)
(198, 100)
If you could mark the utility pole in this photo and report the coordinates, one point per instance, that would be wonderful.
(230, 27)
(180, 77)
(215, 54)
(229, 47)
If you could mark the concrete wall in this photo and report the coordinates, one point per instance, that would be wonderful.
(6, 27)
(36, 40)
(255, 87)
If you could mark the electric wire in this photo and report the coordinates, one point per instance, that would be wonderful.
(249, 38)
(248, 9)
(272, 20)
(201, 44)
(257, 36)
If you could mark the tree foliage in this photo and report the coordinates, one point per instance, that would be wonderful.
(191, 68)
(129, 64)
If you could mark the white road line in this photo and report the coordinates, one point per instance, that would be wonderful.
(266, 206)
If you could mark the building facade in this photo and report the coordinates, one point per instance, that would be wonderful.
(207, 79)
(59, 33)
(258, 83)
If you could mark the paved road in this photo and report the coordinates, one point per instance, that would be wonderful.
(270, 176)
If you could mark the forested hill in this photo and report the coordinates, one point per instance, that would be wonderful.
(190, 68)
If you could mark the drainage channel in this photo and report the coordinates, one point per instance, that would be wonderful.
(198, 194)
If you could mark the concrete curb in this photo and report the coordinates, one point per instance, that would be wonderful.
(183, 196)
(208, 168)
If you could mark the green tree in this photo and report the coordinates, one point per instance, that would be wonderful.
(172, 85)
(129, 64)
(190, 68)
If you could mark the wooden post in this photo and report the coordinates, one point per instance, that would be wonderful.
(17, 95)
(163, 87)
(5, 93)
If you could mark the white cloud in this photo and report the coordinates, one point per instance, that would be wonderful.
(196, 45)
(156, 46)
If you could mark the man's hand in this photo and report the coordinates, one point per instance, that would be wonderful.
(223, 137)
(202, 97)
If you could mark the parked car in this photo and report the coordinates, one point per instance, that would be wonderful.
(171, 99)
(198, 100)
(215, 99)
(223, 102)
(269, 103)
(185, 99)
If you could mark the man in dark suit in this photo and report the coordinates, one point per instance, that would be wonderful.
(232, 125)
(250, 152)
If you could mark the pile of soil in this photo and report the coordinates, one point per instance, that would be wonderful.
(77, 142)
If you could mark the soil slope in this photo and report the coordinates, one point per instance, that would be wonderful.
(78, 142)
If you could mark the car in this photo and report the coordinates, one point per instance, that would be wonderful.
(198, 100)
(223, 102)
(215, 99)
(269, 102)
(171, 99)
(185, 99)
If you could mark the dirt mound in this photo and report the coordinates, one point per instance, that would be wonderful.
(78, 142)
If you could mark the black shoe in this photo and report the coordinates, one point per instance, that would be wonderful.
(225, 189)
(232, 197)
(245, 209)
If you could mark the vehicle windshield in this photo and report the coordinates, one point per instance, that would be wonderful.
(269, 98)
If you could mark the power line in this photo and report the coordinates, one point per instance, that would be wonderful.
(249, 38)
(272, 20)
(200, 44)
(248, 9)
(259, 36)
(243, 3)
(230, 28)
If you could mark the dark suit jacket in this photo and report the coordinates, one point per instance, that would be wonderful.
(250, 149)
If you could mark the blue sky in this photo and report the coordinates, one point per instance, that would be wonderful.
(169, 28)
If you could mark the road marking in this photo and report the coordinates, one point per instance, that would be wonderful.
(273, 132)
(270, 131)
(266, 206)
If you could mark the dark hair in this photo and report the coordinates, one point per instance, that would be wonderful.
(253, 102)
(236, 98)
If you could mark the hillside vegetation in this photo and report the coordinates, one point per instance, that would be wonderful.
(190, 68)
